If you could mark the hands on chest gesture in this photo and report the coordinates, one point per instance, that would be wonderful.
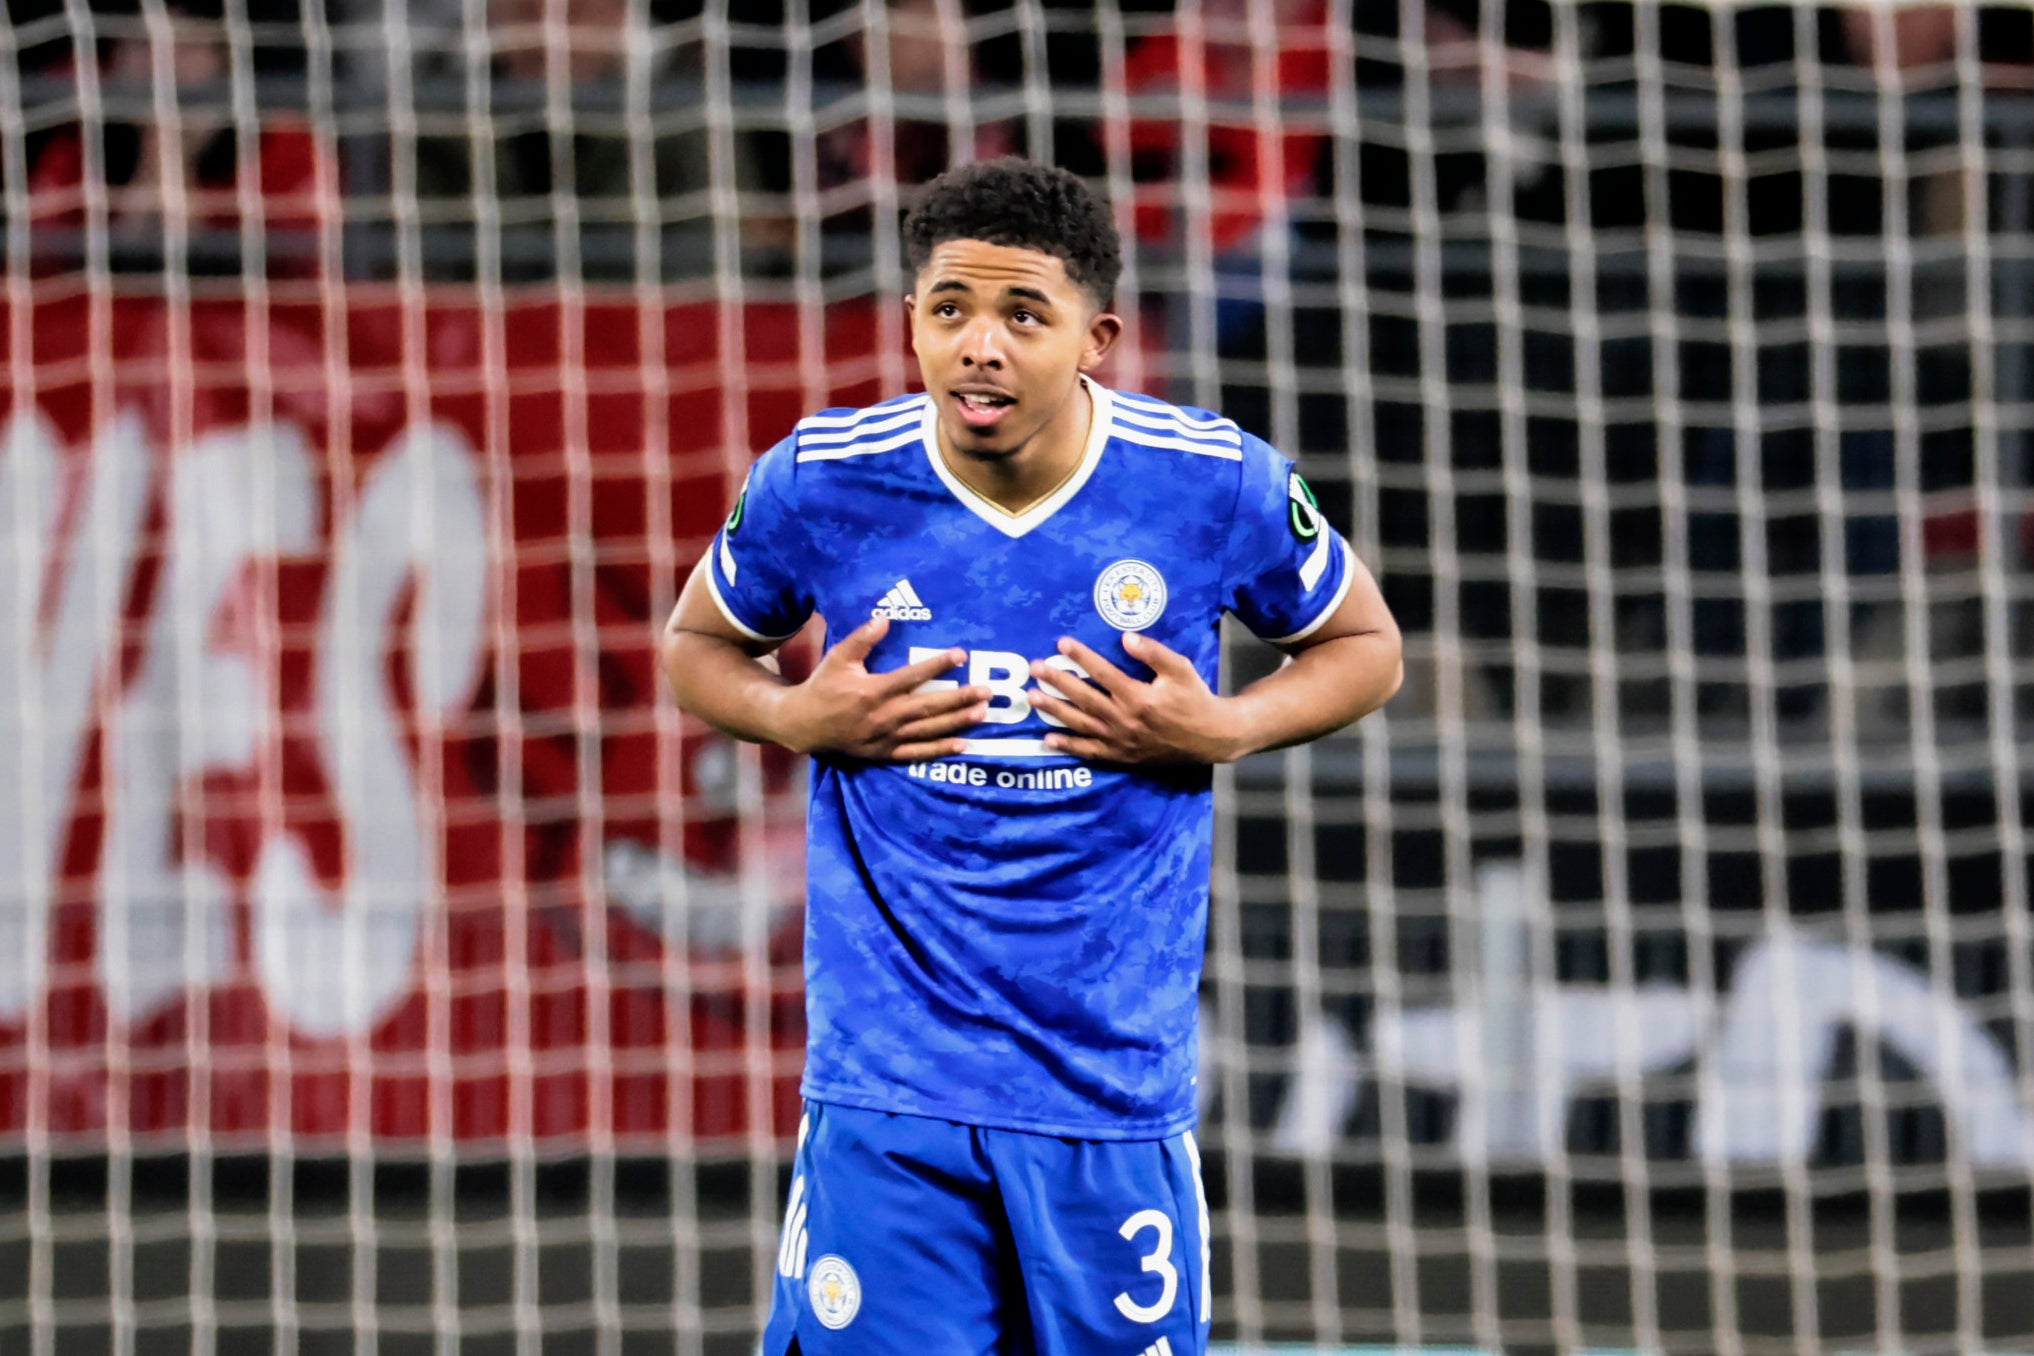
(844, 708)
(1174, 718)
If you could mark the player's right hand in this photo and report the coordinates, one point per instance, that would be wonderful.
(844, 708)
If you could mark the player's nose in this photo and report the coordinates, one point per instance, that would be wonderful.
(979, 347)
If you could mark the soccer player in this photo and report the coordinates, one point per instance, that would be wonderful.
(1010, 828)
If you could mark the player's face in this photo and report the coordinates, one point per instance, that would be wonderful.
(1002, 336)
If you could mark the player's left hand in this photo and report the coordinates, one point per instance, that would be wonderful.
(1174, 718)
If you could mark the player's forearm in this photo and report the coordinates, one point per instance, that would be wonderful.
(725, 686)
(1324, 688)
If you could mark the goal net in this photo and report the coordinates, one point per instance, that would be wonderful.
(386, 966)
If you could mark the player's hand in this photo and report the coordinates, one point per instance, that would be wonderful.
(1174, 718)
(844, 708)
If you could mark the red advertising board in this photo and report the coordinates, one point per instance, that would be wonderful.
(338, 798)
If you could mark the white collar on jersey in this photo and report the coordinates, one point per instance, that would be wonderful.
(1100, 427)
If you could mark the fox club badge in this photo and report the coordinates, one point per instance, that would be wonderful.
(835, 1291)
(1130, 595)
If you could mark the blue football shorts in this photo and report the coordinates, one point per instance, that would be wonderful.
(905, 1234)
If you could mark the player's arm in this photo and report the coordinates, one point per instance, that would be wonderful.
(719, 674)
(1341, 671)
(1291, 578)
(1339, 674)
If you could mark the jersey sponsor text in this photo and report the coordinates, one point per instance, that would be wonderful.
(955, 772)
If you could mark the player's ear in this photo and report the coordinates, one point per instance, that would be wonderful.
(1105, 327)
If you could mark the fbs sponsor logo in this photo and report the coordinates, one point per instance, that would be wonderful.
(902, 603)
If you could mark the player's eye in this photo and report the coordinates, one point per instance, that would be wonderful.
(1025, 317)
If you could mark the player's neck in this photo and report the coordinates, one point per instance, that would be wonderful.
(1014, 483)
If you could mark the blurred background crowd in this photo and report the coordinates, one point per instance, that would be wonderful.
(545, 129)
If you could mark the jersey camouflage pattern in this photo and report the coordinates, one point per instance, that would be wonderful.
(1012, 937)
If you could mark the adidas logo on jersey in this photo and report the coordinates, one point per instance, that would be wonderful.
(902, 603)
(1159, 1348)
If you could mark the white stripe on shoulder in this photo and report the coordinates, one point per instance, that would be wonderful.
(1222, 450)
(1155, 430)
(890, 444)
(1152, 405)
(1222, 432)
(868, 428)
(818, 422)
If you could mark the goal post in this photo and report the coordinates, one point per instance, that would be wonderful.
(386, 964)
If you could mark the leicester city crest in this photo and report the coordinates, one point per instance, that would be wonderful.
(835, 1291)
(1130, 594)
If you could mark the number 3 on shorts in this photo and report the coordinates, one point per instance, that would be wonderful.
(1159, 1259)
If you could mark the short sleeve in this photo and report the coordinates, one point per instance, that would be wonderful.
(1286, 569)
(758, 566)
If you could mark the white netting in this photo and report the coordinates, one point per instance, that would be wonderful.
(384, 965)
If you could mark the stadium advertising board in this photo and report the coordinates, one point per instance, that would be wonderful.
(1758, 1068)
(329, 709)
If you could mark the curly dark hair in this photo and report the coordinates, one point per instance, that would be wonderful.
(1019, 202)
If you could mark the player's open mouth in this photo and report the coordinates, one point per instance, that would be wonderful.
(981, 409)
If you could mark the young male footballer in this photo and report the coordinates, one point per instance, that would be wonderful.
(1011, 733)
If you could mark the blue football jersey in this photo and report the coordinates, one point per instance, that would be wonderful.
(1012, 937)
